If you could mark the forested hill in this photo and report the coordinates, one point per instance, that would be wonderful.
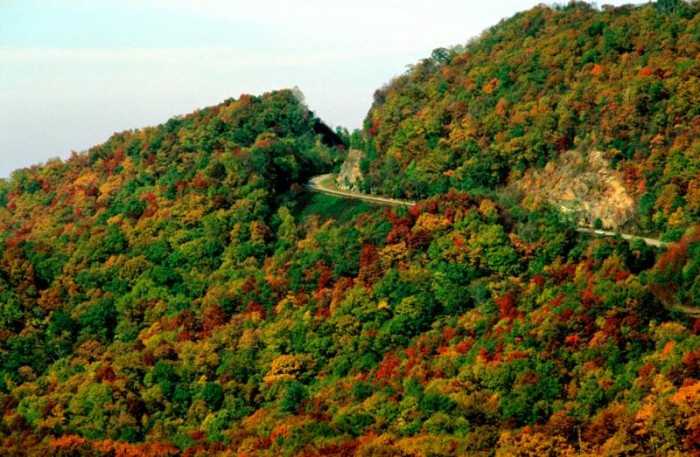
(188, 181)
(624, 82)
(178, 291)
(166, 195)
(97, 248)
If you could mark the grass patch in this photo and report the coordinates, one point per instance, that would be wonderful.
(329, 183)
(338, 208)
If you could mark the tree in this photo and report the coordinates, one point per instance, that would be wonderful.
(668, 6)
(100, 319)
(213, 395)
(293, 395)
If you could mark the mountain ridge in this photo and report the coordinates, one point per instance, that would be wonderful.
(544, 82)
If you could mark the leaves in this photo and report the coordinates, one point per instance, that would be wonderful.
(185, 295)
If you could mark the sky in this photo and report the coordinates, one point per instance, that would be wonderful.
(72, 72)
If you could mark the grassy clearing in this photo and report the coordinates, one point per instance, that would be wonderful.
(338, 208)
(329, 183)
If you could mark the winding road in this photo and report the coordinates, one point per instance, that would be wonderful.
(649, 241)
(319, 184)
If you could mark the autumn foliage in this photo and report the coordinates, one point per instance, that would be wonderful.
(623, 81)
(177, 291)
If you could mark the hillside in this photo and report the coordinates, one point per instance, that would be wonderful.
(152, 223)
(620, 84)
(177, 290)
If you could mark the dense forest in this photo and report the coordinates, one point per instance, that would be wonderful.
(624, 81)
(178, 291)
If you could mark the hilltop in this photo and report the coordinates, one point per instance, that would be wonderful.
(553, 93)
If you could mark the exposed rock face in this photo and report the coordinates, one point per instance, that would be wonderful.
(583, 184)
(350, 175)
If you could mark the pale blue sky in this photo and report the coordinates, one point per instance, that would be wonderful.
(72, 72)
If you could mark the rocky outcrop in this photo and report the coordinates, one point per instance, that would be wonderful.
(582, 184)
(350, 175)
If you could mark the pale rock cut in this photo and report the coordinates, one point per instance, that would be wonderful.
(350, 175)
(584, 185)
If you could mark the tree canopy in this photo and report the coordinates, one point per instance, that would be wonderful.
(178, 291)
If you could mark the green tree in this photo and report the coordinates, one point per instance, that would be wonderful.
(292, 398)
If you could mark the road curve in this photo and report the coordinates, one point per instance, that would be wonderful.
(316, 184)
(649, 241)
